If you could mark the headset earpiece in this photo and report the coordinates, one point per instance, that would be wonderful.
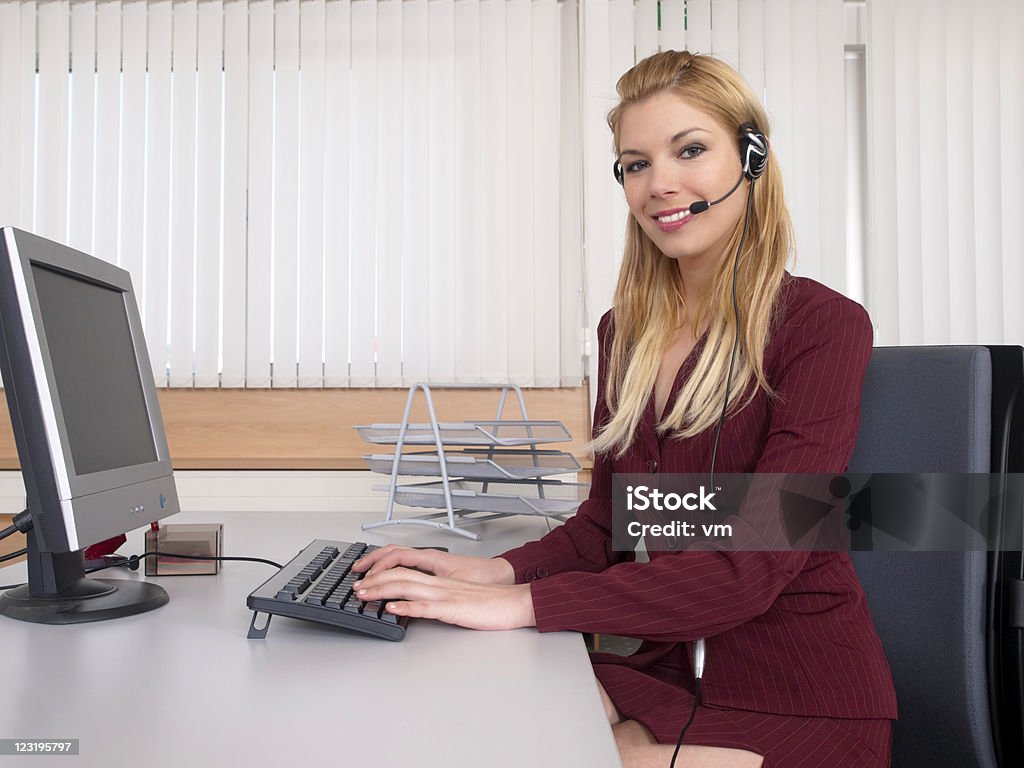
(617, 170)
(753, 151)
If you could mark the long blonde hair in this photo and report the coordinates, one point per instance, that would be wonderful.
(648, 295)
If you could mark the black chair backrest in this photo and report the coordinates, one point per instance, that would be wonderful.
(928, 409)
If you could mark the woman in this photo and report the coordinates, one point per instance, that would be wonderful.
(795, 672)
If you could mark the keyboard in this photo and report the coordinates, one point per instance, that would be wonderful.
(316, 585)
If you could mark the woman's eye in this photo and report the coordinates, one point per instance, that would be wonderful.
(638, 165)
(692, 150)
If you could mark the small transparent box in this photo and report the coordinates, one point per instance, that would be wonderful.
(187, 541)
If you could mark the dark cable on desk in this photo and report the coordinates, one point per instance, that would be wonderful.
(133, 561)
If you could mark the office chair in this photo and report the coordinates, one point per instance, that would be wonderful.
(945, 617)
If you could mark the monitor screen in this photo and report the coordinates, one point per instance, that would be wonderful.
(86, 420)
(96, 372)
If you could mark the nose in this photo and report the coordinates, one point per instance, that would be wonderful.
(664, 182)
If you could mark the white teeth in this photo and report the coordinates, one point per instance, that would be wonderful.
(677, 216)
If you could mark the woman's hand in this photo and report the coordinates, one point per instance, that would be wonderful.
(467, 604)
(480, 570)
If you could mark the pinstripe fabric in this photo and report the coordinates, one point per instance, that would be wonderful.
(788, 633)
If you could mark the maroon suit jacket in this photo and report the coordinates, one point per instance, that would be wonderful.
(787, 632)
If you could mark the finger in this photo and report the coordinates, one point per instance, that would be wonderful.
(401, 589)
(423, 559)
(393, 575)
(368, 560)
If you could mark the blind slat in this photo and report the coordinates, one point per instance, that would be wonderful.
(363, 189)
(29, 137)
(547, 286)
(390, 57)
(799, 124)
(313, 22)
(645, 32)
(698, 26)
(470, 302)
(934, 233)
(260, 186)
(494, 255)
(236, 177)
(284, 291)
(987, 164)
(829, 122)
(908, 175)
(725, 31)
(751, 36)
(82, 119)
(882, 291)
(520, 185)
(673, 32)
(51, 217)
(183, 194)
(132, 231)
(10, 126)
(157, 193)
(336, 195)
(107, 175)
(210, 80)
(571, 239)
(1011, 101)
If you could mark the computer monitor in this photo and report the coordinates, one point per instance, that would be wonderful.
(87, 424)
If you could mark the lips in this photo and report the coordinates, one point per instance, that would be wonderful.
(672, 219)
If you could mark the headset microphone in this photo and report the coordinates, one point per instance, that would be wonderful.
(702, 205)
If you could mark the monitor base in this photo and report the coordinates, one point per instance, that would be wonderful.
(83, 601)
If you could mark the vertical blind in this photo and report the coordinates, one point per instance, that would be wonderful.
(945, 84)
(314, 193)
(376, 192)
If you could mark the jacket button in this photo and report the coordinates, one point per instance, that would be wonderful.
(530, 575)
(542, 572)
(652, 466)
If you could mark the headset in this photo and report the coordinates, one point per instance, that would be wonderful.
(753, 158)
(753, 147)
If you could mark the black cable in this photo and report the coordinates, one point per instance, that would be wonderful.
(693, 714)
(12, 555)
(736, 332)
(22, 523)
(133, 561)
(721, 421)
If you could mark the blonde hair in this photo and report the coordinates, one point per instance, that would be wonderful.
(649, 293)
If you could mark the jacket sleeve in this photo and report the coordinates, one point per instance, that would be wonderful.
(693, 594)
(584, 542)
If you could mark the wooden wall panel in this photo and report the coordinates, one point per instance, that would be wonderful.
(312, 429)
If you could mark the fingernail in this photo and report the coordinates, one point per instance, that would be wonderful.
(357, 584)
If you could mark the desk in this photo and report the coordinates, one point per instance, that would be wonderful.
(182, 686)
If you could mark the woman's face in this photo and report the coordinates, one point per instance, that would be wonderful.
(674, 154)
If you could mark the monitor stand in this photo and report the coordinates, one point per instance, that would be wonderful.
(58, 592)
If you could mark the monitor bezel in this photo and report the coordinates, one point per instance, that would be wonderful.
(23, 250)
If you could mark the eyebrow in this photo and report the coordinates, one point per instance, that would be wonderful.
(671, 141)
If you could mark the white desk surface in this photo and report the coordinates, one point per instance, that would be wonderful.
(182, 686)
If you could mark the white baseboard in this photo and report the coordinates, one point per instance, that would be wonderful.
(255, 491)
